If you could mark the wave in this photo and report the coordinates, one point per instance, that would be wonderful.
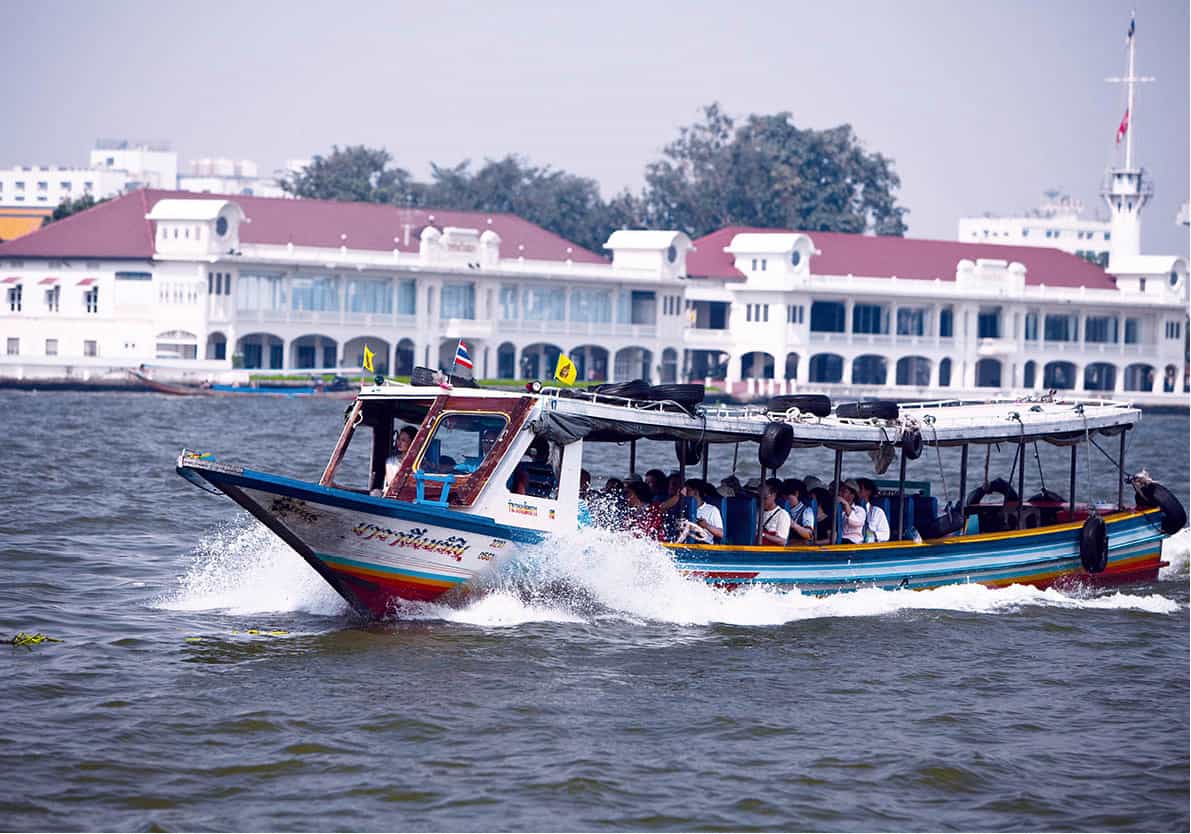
(593, 576)
(244, 568)
(1177, 551)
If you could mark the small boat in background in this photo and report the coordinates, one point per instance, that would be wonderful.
(338, 388)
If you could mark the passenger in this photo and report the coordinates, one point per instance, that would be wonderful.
(520, 479)
(585, 495)
(402, 440)
(876, 525)
(644, 517)
(708, 519)
(672, 508)
(775, 522)
(802, 517)
(853, 514)
(584, 483)
(655, 479)
(730, 486)
(487, 440)
(823, 514)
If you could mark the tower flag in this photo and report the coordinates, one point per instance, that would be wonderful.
(565, 371)
(462, 357)
(1123, 128)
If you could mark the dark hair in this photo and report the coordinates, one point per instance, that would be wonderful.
(410, 430)
(821, 495)
(732, 481)
(641, 490)
(867, 484)
(793, 486)
(774, 485)
(706, 491)
(614, 485)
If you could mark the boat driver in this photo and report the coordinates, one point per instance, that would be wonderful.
(402, 440)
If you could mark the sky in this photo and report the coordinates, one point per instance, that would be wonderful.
(981, 106)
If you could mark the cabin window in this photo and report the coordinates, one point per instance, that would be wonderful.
(461, 442)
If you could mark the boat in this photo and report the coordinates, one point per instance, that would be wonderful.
(491, 473)
(338, 388)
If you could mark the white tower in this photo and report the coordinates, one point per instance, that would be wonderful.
(1127, 189)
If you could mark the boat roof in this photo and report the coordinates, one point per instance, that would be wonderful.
(600, 417)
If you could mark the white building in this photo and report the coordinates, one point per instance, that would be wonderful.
(1057, 223)
(228, 176)
(212, 283)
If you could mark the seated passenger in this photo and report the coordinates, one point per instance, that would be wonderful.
(802, 517)
(853, 513)
(644, 518)
(876, 525)
(655, 479)
(708, 524)
(402, 440)
(775, 522)
(823, 514)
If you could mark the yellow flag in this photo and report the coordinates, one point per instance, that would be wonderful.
(565, 372)
(368, 354)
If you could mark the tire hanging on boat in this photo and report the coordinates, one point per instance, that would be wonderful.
(997, 485)
(1093, 545)
(912, 443)
(775, 445)
(1174, 517)
(868, 410)
(816, 404)
(683, 393)
(688, 452)
(638, 389)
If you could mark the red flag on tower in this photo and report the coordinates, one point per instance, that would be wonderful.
(1123, 128)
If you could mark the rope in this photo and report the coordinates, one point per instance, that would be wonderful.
(987, 460)
(28, 641)
(1038, 461)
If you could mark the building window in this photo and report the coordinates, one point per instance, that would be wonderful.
(543, 304)
(91, 300)
(1060, 328)
(946, 323)
(595, 306)
(64, 185)
(1132, 331)
(1173, 329)
(14, 347)
(794, 313)
(1141, 284)
(1031, 328)
(319, 293)
(764, 263)
(827, 316)
(14, 299)
(42, 185)
(988, 324)
(911, 321)
(868, 318)
(52, 297)
(407, 297)
(1102, 329)
(20, 185)
(90, 348)
(51, 347)
(364, 295)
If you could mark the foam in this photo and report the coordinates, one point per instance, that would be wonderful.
(1177, 551)
(244, 568)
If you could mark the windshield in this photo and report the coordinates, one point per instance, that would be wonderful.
(461, 443)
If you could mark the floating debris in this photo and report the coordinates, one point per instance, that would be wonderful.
(28, 641)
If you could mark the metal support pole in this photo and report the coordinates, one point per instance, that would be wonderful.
(1074, 449)
(682, 477)
(1121, 475)
(839, 463)
(901, 496)
(706, 451)
(760, 508)
(1021, 484)
(963, 486)
(633, 456)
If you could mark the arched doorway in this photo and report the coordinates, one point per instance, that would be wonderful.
(313, 351)
(1058, 375)
(913, 370)
(945, 372)
(539, 360)
(216, 346)
(756, 365)
(1029, 374)
(826, 367)
(706, 364)
(591, 363)
(260, 351)
(403, 358)
(791, 366)
(1099, 376)
(1139, 377)
(633, 363)
(988, 373)
(669, 373)
(506, 361)
(353, 353)
(176, 344)
(869, 369)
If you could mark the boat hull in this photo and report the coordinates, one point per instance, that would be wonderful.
(1040, 557)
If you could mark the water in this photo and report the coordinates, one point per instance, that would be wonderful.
(589, 688)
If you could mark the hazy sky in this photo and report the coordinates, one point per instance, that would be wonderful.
(981, 105)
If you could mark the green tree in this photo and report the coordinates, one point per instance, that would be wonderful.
(356, 174)
(769, 173)
(68, 207)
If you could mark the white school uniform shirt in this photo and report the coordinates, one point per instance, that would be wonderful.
(776, 522)
(876, 525)
(711, 514)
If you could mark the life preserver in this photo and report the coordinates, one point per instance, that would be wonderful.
(775, 445)
(912, 443)
(816, 404)
(688, 452)
(869, 409)
(1093, 545)
(1174, 517)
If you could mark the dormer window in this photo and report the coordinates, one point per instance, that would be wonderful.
(671, 253)
(795, 258)
(221, 230)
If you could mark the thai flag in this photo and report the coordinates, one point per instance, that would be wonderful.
(462, 357)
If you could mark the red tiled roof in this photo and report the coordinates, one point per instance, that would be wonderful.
(118, 228)
(875, 257)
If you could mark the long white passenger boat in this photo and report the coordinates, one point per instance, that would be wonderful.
(489, 473)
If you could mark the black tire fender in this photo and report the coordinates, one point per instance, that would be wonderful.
(816, 404)
(868, 410)
(1093, 545)
(422, 376)
(683, 393)
(688, 452)
(775, 445)
(912, 443)
(638, 389)
(999, 486)
(1174, 516)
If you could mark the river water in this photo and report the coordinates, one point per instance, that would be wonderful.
(207, 679)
